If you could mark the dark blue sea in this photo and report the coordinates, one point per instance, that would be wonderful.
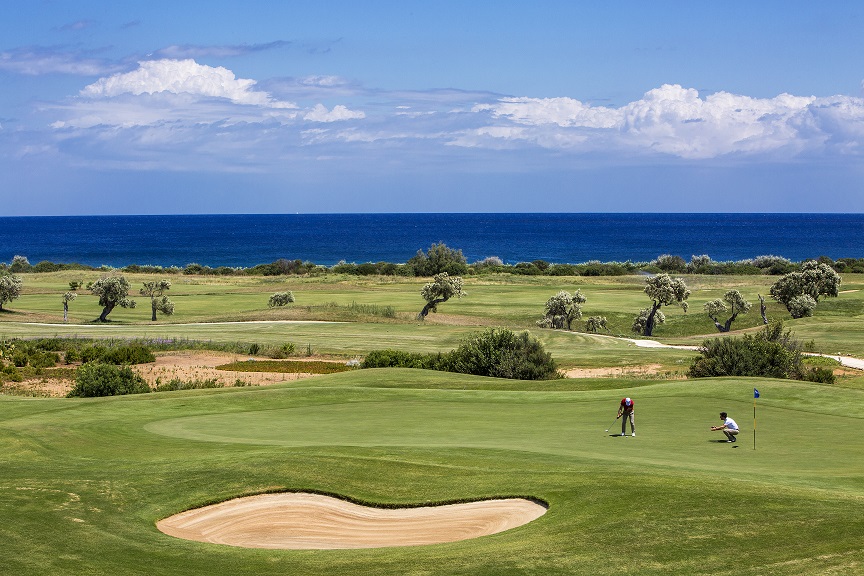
(247, 240)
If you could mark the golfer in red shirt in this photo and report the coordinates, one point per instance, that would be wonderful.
(626, 410)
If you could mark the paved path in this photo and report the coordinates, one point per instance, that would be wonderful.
(847, 361)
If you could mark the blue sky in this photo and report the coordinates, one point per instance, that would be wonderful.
(254, 107)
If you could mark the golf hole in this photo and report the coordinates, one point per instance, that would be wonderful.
(303, 521)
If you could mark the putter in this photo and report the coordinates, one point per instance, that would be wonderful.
(613, 423)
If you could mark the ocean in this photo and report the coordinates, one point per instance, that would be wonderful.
(250, 239)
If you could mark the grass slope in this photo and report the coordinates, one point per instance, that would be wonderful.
(83, 481)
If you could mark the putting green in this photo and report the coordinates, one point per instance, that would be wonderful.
(672, 430)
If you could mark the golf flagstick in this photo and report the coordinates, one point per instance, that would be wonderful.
(755, 396)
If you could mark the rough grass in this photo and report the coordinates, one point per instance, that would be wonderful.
(287, 366)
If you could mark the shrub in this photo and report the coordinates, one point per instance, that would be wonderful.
(596, 323)
(96, 379)
(72, 355)
(281, 299)
(279, 352)
(398, 359)
(771, 353)
(43, 359)
(818, 374)
(132, 354)
(801, 306)
(178, 384)
(20, 358)
(500, 353)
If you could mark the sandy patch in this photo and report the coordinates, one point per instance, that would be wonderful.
(195, 365)
(642, 370)
(847, 291)
(299, 521)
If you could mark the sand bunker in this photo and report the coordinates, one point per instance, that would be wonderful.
(300, 521)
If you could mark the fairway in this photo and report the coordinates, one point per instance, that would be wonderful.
(85, 481)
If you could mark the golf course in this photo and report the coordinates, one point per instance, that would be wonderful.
(84, 481)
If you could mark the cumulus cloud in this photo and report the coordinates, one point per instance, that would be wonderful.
(182, 77)
(676, 121)
(320, 114)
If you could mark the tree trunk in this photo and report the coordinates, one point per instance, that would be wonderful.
(65, 311)
(762, 309)
(649, 323)
(729, 322)
(153, 306)
(429, 306)
(720, 327)
(105, 311)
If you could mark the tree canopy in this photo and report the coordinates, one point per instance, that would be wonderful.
(561, 309)
(159, 302)
(10, 288)
(442, 288)
(438, 259)
(814, 280)
(663, 291)
(736, 303)
(113, 291)
(280, 299)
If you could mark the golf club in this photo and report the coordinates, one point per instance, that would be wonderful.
(613, 423)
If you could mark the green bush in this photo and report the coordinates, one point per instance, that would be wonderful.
(72, 355)
(20, 358)
(92, 353)
(500, 353)
(771, 353)
(41, 359)
(818, 374)
(497, 352)
(178, 384)
(132, 354)
(280, 352)
(398, 359)
(95, 379)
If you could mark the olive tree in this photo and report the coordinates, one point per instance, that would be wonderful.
(801, 306)
(280, 299)
(20, 264)
(439, 258)
(67, 297)
(814, 280)
(159, 302)
(596, 323)
(10, 288)
(737, 305)
(562, 309)
(442, 288)
(663, 291)
(113, 291)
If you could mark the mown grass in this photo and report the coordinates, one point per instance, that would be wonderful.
(84, 481)
(382, 312)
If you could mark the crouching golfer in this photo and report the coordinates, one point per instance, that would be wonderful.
(729, 427)
(627, 409)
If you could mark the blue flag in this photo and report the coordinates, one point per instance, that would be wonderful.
(755, 393)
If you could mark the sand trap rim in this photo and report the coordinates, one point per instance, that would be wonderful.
(360, 502)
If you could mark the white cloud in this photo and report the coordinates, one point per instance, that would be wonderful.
(183, 77)
(320, 114)
(38, 60)
(676, 121)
